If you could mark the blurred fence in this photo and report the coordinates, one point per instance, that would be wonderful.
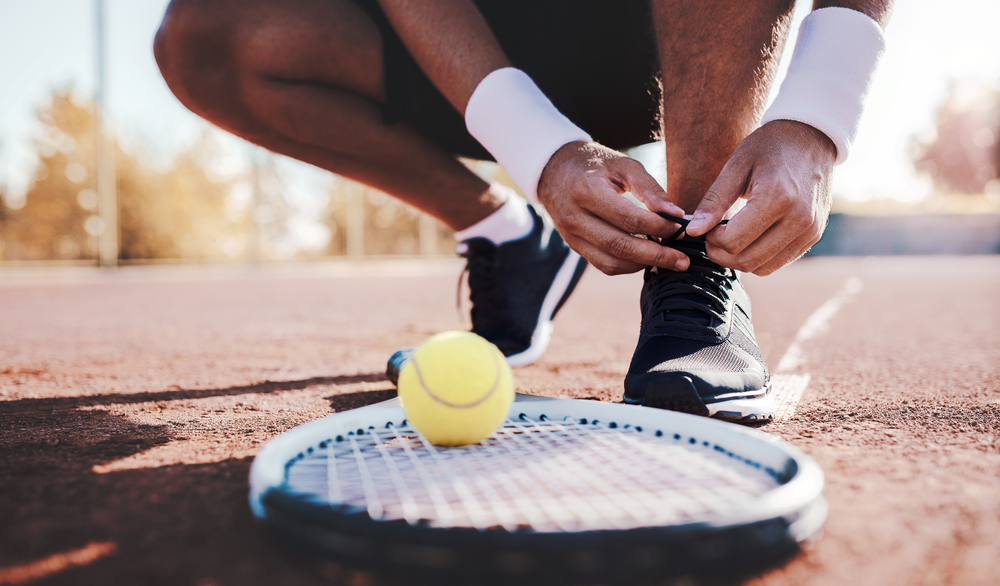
(95, 197)
(923, 234)
(190, 212)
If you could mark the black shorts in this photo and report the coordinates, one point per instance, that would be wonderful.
(595, 59)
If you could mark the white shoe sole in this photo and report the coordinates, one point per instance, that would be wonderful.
(745, 409)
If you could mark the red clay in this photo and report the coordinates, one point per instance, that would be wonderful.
(131, 405)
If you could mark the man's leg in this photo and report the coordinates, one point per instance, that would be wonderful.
(697, 350)
(717, 61)
(304, 78)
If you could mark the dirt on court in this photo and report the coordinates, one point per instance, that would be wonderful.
(132, 403)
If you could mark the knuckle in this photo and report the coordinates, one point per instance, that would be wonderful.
(620, 246)
(745, 265)
(802, 222)
(783, 196)
(815, 231)
(570, 223)
(713, 198)
(729, 246)
(631, 223)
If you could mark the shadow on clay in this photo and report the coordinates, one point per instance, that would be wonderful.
(30, 405)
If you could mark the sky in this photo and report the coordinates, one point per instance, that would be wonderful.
(48, 44)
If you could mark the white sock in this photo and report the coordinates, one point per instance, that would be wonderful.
(511, 221)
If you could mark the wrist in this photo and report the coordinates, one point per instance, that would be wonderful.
(806, 138)
(555, 168)
(830, 73)
(519, 126)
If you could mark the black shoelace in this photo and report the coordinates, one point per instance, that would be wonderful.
(487, 303)
(694, 300)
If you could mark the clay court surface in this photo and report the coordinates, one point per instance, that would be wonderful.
(132, 403)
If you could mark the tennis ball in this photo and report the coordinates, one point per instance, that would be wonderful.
(456, 389)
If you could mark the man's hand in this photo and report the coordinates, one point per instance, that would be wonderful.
(581, 189)
(783, 170)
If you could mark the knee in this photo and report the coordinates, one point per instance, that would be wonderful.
(189, 44)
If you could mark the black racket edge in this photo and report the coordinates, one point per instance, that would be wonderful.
(308, 525)
(424, 554)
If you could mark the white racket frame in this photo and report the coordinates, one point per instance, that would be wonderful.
(798, 499)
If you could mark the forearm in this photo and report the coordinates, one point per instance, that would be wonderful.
(451, 42)
(784, 167)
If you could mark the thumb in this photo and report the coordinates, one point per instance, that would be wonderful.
(721, 196)
(640, 183)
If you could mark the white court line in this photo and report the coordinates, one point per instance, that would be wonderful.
(788, 386)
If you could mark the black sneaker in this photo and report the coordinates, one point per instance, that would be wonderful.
(516, 289)
(696, 351)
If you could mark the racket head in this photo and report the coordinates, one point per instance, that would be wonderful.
(715, 498)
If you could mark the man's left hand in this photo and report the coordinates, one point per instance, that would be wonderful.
(783, 170)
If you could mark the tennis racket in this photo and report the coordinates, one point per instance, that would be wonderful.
(566, 491)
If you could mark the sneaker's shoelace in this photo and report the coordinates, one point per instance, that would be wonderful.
(487, 304)
(694, 300)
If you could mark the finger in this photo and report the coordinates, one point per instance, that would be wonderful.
(624, 246)
(772, 243)
(746, 226)
(631, 176)
(794, 252)
(601, 260)
(769, 201)
(621, 213)
(727, 188)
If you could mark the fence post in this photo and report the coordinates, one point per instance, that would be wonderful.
(254, 248)
(355, 224)
(106, 176)
(428, 235)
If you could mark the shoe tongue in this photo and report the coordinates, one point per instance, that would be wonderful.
(696, 252)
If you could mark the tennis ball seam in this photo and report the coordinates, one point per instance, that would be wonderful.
(477, 402)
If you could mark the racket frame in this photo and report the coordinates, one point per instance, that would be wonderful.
(794, 507)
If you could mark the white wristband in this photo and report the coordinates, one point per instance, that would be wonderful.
(519, 126)
(830, 74)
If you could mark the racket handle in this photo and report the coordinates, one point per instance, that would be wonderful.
(396, 363)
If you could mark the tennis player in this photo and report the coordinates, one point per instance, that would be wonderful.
(388, 92)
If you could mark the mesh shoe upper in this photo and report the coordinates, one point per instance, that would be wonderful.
(517, 287)
(696, 335)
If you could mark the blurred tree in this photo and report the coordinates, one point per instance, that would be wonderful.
(4, 218)
(390, 227)
(52, 223)
(964, 154)
(180, 213)
(271, 234)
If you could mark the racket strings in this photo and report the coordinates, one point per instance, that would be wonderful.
(539, 475)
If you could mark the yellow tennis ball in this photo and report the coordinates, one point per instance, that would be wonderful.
(456, 389)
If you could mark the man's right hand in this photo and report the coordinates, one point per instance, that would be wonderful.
(581, 189)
